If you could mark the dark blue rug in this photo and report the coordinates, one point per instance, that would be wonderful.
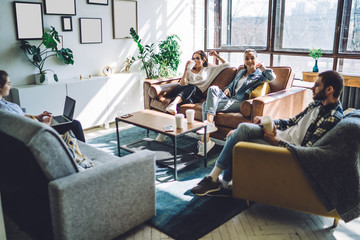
(179, 213)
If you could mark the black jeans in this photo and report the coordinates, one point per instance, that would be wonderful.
(74, 126)
(188, 93)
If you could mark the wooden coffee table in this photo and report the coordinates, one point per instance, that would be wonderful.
(155, 121)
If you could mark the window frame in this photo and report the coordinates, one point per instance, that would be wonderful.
(336, 55)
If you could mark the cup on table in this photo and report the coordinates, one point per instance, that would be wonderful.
(190, 115)
(179, 119)
(191, 64)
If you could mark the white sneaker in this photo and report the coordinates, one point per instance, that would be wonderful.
(210, 128)
(160, 137)
(209, 145)
(172, 108)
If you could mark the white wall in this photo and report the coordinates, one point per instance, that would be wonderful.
(156, 20)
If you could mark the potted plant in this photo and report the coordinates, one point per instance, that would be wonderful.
(48, 47)
(315, 54)
(163, 64)
(169, 56)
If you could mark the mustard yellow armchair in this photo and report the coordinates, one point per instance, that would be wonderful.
(271, 175)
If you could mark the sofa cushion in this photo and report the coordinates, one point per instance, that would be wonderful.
(73, 146)
(45, 144)
(261, 90)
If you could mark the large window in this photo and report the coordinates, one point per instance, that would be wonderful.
(285, 30)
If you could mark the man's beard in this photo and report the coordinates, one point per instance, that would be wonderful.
(320, 95)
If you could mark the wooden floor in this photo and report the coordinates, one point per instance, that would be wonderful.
(259, 222)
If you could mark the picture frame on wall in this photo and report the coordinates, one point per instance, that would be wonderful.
(60, 7)
(28, 20)
(66, 23)
(90, 30)
(124, 18)
(98, 2)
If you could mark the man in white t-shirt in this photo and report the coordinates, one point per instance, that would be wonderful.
(304, 130)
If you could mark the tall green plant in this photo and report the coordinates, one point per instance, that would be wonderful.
(169, 56)
(163, 64)
(37, 56)
(146, 55)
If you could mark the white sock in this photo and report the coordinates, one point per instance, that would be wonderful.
(224, 183)
(215, 172)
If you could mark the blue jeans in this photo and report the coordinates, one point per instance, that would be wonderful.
(247, 132)
(217, 101)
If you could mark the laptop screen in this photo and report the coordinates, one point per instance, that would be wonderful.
(69, 108)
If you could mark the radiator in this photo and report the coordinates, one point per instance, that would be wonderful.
(350, 98)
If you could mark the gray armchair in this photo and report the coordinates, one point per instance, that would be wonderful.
(43, 192)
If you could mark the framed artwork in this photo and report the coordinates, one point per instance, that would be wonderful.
(29, 20)
(99, 2)
(60, 44)
(66, 23)
(60, 7)
(124, 18)
(90, 30)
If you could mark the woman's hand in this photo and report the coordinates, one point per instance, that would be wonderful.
(261, 66)
(227, 92)
(257, 120)
(42, 115)
(213, 53)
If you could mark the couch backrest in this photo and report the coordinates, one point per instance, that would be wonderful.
(224, 78)
(284, 78)
(43, 142)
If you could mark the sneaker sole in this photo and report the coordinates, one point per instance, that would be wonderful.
(205, 193)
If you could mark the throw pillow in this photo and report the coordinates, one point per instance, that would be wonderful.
(261, 90)
(73, 146)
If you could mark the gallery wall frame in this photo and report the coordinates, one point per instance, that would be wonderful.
(90, 30)
(98, 2)
(124, 18)
(60, 7)
(66, 23)
(28, 20)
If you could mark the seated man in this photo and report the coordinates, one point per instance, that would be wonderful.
(304, 130)
(45, 117)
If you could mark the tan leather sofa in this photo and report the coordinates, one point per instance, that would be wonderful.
(282, 101)
(271, 175)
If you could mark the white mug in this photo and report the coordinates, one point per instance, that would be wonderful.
(190, 115)
(191, 64)
(179, 118)
(267, 122)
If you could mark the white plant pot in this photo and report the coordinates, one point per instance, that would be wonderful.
(37, 79)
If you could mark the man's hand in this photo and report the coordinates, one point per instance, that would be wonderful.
(229, 133)
(270, 136)
(47, 120)
(227, 92)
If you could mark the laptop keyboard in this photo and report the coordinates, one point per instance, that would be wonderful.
(60, 119)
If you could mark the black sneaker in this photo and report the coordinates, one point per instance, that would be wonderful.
(206, 186)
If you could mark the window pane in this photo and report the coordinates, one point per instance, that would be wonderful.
(306, 24)
(350, 30)
(302, 64)
(349, 66)
(237, 23)
(249, 22)
(237, 58)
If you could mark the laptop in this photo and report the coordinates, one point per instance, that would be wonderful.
(68, 113)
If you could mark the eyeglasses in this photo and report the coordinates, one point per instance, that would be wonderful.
(196, 58)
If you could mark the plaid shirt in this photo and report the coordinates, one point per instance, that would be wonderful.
(328, 117)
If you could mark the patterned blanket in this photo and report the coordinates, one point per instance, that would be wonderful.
(332, 166)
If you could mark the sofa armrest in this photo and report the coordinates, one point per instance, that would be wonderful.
(271, 175)
(106, 201)
(283, 104)
(148, 83)
(158, 90)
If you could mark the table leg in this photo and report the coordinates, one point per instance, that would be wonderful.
(117, 136)
(175, 157)
(205, 145)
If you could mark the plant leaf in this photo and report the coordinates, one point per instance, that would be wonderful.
(56, 77)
